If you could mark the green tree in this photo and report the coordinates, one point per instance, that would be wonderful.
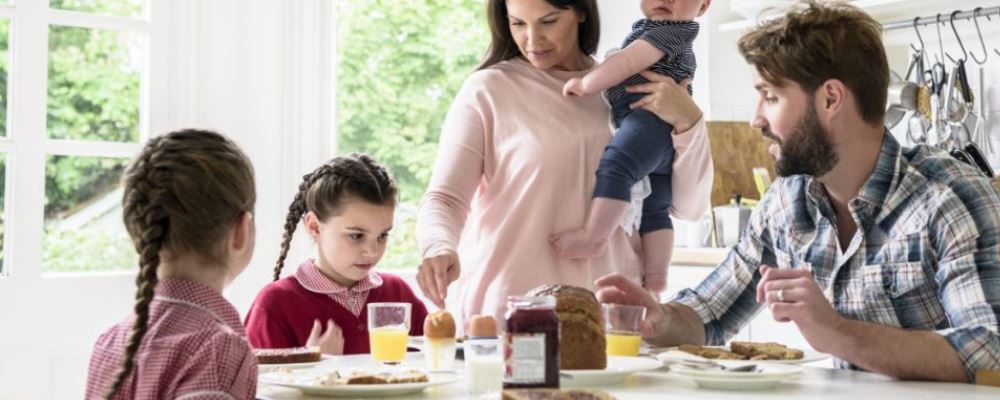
(400, 64)
(93, 95)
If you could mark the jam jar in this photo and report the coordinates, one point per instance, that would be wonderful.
(531, 343)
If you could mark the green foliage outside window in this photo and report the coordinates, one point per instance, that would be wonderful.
(400, 65)
(94, 89)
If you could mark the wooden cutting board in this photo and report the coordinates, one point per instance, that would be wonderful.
(736, 150)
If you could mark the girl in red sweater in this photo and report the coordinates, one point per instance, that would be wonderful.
(347, 207)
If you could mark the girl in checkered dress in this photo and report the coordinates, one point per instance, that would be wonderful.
(188, 204)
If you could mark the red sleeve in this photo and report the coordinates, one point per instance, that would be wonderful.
(419, 311)
(395, 288)
(268, 327)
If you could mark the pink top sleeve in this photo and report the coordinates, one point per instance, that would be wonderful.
(457, 173)
(693, 173)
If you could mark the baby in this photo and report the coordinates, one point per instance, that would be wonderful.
(642, 146)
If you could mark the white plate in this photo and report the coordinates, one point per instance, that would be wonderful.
(768, 377)
(674, 355)
(383, 390)
(617, 370)
(764, 371)
(270, 367)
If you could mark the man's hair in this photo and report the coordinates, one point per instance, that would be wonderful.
(815, 42)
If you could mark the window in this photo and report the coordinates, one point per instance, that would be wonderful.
(400, 65)
(69, 148)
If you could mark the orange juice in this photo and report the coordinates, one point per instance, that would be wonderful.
(623, 343)
(388, 344)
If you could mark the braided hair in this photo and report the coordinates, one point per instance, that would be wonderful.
(323, 190)
(183, 192)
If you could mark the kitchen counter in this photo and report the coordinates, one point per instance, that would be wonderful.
(699, 256)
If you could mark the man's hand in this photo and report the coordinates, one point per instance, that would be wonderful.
(330, 342)
(793, 295)
(616, 289)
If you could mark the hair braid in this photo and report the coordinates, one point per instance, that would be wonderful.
(296, 210)
(144, 202)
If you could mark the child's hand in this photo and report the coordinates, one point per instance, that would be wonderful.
(655, 282)
(574, 88)
(329, 342)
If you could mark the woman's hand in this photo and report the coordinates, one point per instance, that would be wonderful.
(668, 100)
(435, 274)
(330, 342)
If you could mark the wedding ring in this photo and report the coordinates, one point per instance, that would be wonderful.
(780, 295)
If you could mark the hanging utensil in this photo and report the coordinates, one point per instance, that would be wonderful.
(902, 97)
(981, 136)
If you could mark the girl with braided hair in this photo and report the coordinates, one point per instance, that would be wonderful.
(346, 206)
(188, 207)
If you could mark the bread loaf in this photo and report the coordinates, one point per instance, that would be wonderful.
(582, 344)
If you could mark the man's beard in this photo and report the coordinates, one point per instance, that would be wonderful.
(808, 150)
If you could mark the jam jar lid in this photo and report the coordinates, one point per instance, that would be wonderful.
(547, 302)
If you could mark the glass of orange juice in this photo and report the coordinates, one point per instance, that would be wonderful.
(621, 322)
(388, 330)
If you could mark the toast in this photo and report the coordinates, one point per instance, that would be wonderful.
(711, 353)
(765, 351)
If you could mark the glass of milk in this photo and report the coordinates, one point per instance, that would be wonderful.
(484, 366)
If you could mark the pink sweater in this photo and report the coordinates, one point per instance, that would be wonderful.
(515, 164)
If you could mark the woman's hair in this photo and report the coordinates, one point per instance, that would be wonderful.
(324, 191)
(503, 47)
(183, 193)
(815, 42)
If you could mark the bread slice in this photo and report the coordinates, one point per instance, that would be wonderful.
(293, 355)
(362, 377)
(709, 352)
(765, 351)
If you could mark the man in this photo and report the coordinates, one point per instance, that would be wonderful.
(887, 258)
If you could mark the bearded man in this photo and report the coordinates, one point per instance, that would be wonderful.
(886, 257)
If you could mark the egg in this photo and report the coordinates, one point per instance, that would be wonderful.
(482, 326)
(439, 324)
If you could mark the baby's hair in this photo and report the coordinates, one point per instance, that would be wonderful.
(183, 193)
(324, 190)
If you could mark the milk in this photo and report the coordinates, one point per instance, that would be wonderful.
(484, 367)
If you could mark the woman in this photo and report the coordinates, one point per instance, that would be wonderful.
(517, 160)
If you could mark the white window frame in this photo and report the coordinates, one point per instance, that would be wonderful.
(26, 145)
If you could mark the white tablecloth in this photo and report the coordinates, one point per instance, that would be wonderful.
(815, 383)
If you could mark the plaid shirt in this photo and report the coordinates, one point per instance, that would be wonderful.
(195, 348)
(926, 255)
(352, 298)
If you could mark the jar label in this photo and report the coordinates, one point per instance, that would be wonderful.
(524, 359)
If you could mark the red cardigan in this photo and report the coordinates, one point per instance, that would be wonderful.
(282, 315)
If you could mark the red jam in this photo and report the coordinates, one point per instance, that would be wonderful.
(531, 343)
